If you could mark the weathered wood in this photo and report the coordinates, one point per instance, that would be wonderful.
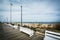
(8, 33)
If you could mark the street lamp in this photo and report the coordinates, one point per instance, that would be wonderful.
(21, 15)
(21, 12)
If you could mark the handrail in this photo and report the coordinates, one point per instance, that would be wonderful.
(52, 34)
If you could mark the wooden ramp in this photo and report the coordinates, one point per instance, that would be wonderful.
(8, 33)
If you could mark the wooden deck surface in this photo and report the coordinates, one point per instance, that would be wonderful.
(8, 33)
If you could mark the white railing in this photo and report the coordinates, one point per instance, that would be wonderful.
(13, 26)
(10, 25)
(52, 35)
(24, 29)
(27, 31)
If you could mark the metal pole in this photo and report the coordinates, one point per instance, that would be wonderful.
(6, 19)
(21, 12)
(21, 15)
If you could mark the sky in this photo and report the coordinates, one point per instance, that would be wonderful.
(33, 10)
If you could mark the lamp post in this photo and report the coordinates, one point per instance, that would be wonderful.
(21, 15)
(21, 12)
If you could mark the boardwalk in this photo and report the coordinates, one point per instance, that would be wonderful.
(8, 33)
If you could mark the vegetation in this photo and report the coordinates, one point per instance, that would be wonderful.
(57, 27)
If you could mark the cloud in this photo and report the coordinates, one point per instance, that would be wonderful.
(33, 10)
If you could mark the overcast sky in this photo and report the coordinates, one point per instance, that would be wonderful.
(33, 10)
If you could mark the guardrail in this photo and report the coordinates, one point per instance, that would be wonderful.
(23, 29)
(52, 34)
(31, 32)
(27, 31)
